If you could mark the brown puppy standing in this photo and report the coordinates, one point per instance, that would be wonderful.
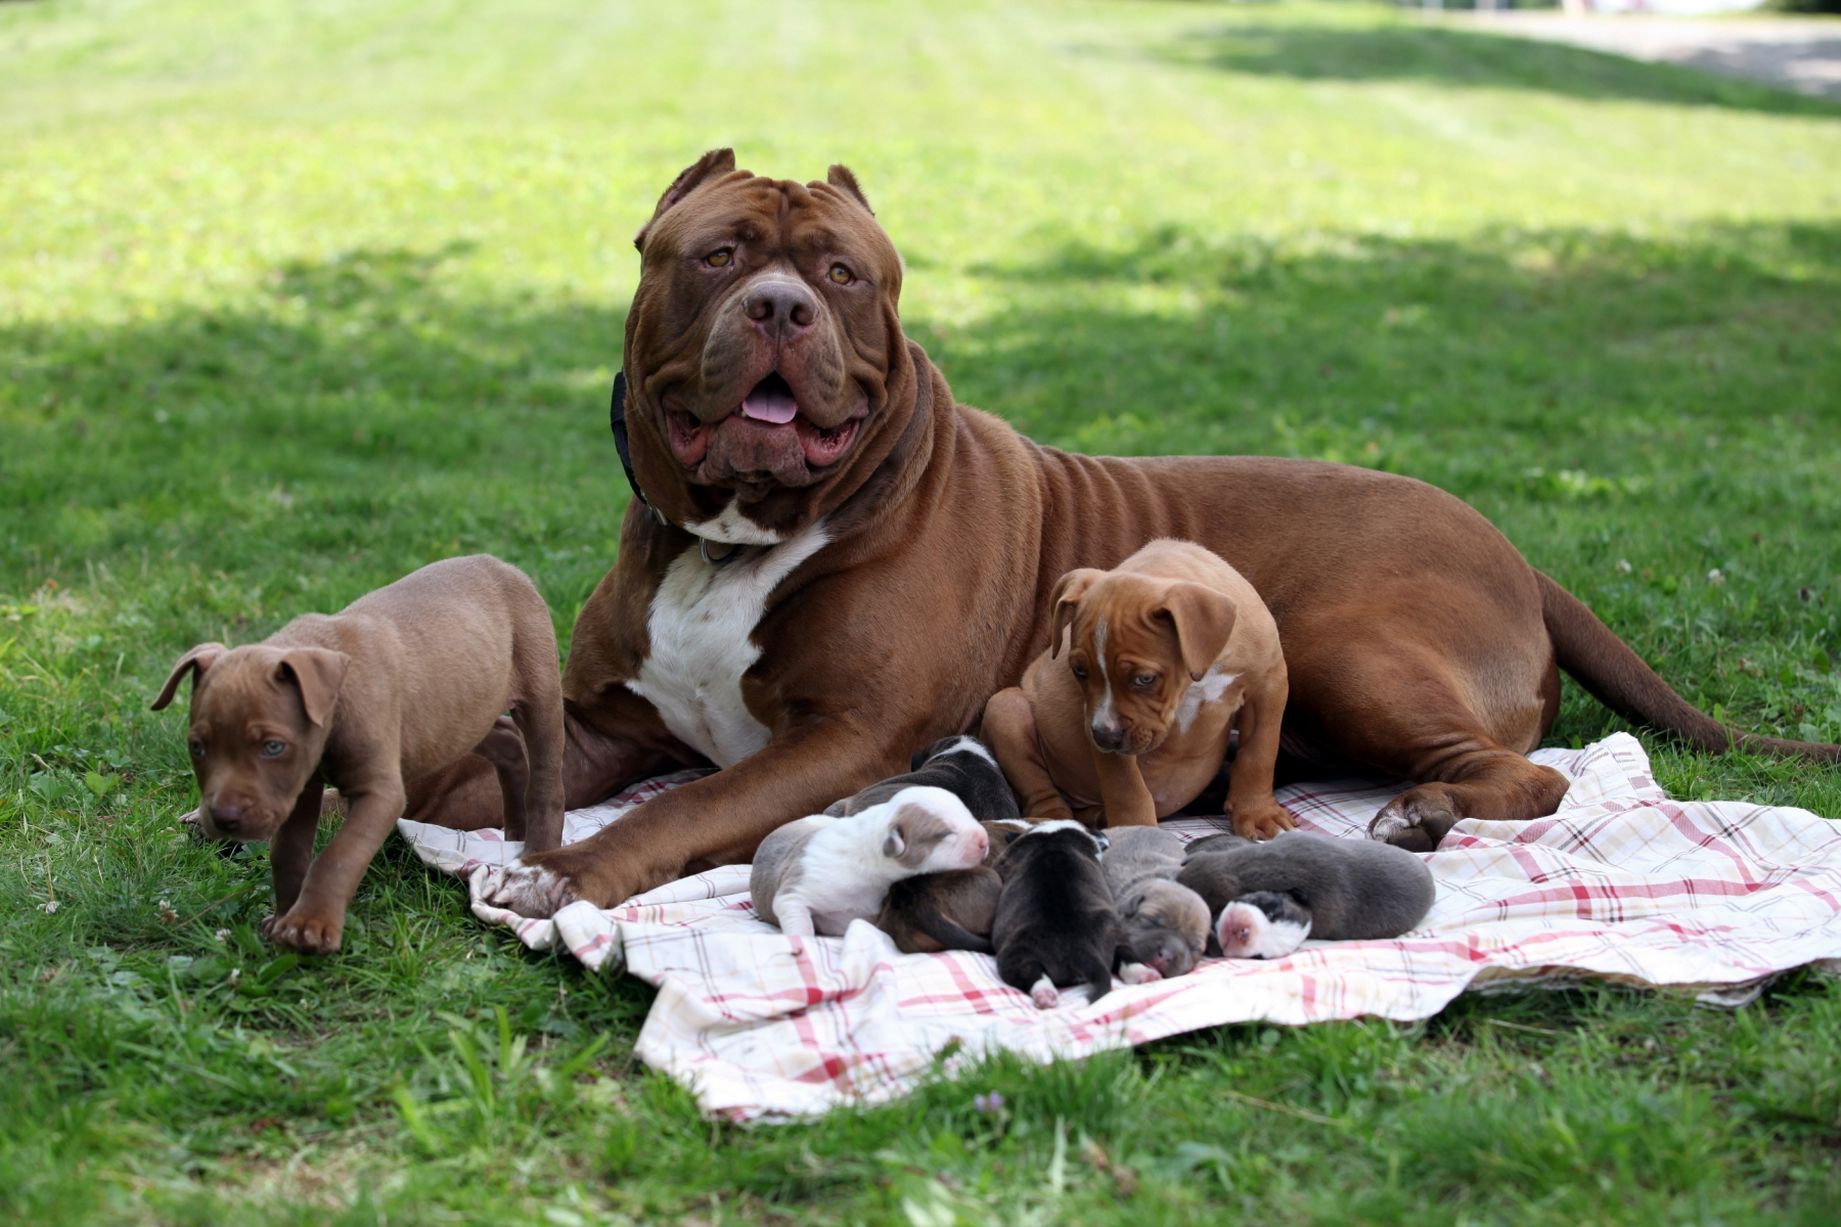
(1167, 654)
(400, 683)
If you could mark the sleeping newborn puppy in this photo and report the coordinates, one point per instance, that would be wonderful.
(962, 766)
(1268, 897)
(1165, 924)
(818, 874)
(1055, 921)
(952, 910)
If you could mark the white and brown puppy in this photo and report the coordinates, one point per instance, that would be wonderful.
(1268, 897)
(1056, 924)
(818, 874)
(952, 910)
(963, 766)
(399, 684)
(1165, 923)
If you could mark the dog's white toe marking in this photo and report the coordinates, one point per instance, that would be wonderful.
(1139, 973)
(529, 890)
(1043, 993)
(1386, 825)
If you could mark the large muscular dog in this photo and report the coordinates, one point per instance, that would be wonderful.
(832, 563)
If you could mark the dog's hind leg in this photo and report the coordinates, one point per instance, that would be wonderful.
(1415, 713)
(503, 747)
(1009, 728)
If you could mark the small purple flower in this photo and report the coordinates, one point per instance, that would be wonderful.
(990, 1104)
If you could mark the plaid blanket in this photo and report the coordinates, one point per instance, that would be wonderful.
(1621, 884)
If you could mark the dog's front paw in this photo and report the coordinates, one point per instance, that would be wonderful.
(304, 930)
(1416, 819)
(1262, 821)
(1139, 973)
(528, 889)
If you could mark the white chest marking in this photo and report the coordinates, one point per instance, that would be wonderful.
(1213, 685)
(701, 626)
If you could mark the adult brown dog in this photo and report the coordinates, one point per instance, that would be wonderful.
(834, 563)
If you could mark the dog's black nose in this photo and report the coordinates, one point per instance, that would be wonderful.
(782, 307)
(227, 815)
(1108, 737)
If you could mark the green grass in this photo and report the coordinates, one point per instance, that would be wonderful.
(296, 298)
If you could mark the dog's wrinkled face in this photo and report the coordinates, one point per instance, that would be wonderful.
(1135, 645)
(259, 721)
(1166, 926)
(763, 350)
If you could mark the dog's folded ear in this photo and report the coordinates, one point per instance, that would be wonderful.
(715, 162)
(317, 673)
(1203, 619)
(199, 658)
(1066, 599)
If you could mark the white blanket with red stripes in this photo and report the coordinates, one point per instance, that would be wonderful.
(1622, 884)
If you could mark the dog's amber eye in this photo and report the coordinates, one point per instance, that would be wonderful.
(198, 748)
(272, 748)
(842, 275)
(720, 257)
(1144, 681)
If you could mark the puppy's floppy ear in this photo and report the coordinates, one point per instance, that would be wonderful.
(1203, 619)
(317, 673)
(896, 841)
(199, 658)
(839, 177)
(1066, 599)
(715, 162)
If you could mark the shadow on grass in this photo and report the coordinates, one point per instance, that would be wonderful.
(1464, 59)
(1601, 397)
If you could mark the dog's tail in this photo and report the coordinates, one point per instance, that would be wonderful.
(950, 933)
(1617, 677)
(1098, 975)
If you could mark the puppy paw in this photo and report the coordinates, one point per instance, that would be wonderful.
(529, 890)
(1416, 819)
(1044, 994)
(1263, 821)
(306, 931)
(1139, 973)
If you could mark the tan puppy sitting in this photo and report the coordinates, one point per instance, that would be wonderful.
(402, 682)
(1165, 656)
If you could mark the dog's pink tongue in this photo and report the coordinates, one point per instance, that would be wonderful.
(775, 407)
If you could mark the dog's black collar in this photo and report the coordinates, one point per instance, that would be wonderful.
(616, 420)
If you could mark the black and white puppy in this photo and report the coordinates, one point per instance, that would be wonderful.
(1055, 923)
(962, 766)
(1267, 897)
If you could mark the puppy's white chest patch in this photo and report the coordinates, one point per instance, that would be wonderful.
(701, 627)
(1213, 685)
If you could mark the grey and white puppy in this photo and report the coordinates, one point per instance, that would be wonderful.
(962, 766)
(1165, 923)
(1055, 922)
(817, 874)
(1268, 897)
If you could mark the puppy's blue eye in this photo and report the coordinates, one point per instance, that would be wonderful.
(273, 748)
(198, 748)
(1080, 671)
(1144, 681)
